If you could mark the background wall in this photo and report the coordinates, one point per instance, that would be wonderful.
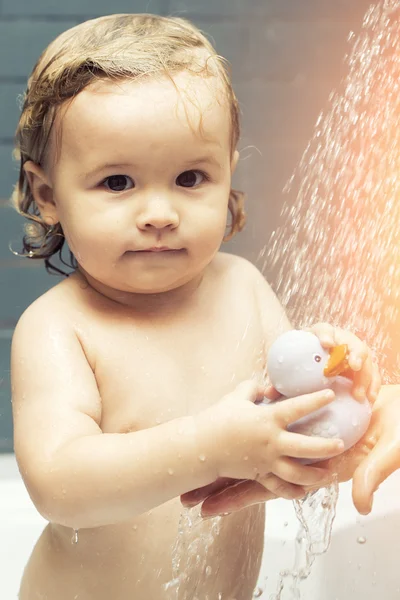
(286, 57)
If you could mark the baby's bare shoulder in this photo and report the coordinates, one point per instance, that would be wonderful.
(239, 267)
(59, 303)
(248, 276)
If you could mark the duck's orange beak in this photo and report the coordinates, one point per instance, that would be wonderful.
(337, 362)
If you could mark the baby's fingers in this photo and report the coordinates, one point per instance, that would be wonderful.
(297, 445)
(291, 409)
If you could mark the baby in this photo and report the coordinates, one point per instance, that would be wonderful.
(137, 378)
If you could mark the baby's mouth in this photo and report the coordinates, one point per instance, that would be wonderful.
(157, 250)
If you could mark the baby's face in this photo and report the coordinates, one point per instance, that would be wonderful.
(141, 193)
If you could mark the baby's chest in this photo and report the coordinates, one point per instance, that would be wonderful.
(147, 378)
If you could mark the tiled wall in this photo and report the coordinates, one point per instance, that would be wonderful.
(286, 56)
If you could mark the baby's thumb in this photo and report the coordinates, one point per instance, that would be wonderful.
(251, 390)
(271, 393)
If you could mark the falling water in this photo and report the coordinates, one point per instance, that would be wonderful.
(315, 514)
(336, 256)
(190, 553)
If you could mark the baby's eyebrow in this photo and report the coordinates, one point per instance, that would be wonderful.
(204, 160)
(196, 161)
(91, 172)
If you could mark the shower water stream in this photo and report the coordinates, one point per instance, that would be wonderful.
(336, 256)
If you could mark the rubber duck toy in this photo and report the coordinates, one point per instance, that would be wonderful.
(297, 364)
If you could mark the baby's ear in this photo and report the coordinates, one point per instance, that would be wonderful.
(234, 161)
(42, 192)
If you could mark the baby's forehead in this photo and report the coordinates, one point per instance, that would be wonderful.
(196, 103)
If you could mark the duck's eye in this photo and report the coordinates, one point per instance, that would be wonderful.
(317, 358)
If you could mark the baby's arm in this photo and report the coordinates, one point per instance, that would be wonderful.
(80, 477)
(76, 474)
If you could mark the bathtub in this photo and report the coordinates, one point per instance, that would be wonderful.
(362, 562)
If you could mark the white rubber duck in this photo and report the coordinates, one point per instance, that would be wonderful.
(298, 364)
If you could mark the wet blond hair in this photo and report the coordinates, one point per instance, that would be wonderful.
(114, 47)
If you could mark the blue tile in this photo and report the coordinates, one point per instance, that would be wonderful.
(22, 42)
(6, 428)
(293, 10)
(231, 40)
(281, 112)
(8, 171)
(287, 51)
(82, 7)
(20, 286)
(11, 232)
(10, 108)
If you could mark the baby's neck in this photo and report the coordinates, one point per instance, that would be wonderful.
(153, 304)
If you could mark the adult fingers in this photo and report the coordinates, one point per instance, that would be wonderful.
(324, 332)
(235, 498)
(376, 383)
(194, 497)
(383, 460)
(362, 379)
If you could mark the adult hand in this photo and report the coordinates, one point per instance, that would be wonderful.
(383, 441)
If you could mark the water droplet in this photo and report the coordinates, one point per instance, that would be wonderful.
(258, 593)
(74, 539)
(202, 458)
(361, 539)
(280, 360)
(170, 471)
(208, 571)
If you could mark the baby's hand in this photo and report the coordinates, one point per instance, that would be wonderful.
(246, 440)
(366, 379)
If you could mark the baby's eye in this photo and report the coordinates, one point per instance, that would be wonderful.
(190, 179)
(118, 183)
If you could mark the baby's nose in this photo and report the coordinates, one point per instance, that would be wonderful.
(158, 213)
